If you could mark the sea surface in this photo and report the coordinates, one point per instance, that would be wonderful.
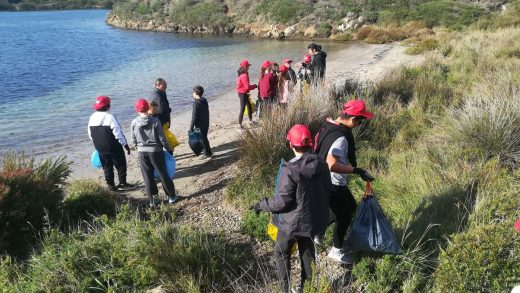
(53, 64)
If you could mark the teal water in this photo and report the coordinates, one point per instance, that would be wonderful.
(53, 65)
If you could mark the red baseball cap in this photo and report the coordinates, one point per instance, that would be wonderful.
(244, 63)
(266, 64)
(299, 136)
(517, 225)
(356, 108)
(141, 105)
(284, 69)
(307, 58)
(101, 102)
(287, 60)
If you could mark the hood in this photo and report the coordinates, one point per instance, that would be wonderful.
(309, 160)
(323, 54)
(143, 121)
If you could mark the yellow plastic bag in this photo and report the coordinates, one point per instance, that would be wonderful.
(272, 231)
(170, 137)
(253, 107)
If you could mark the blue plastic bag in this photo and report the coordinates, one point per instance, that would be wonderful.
(371, 231)
(171, 165)
(195, 141)
(95, 160)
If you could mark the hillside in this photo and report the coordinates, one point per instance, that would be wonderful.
(336, 19)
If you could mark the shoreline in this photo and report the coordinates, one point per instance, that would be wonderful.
(360, 61)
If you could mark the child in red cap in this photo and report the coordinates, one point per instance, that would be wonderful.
(335, 144)
(267, 87)
(243, 88)
(148, 137)
(105, 132)
(300, 206)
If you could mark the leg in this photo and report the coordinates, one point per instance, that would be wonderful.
(282, 252)
(108, 168)
(259, 108)
(249, 108)
(207, 148)
(242, 108)
(147, 171)
(307, 258)
(118, 157)
(159, 164)
(339, 205)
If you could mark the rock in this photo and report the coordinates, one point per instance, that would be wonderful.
(158, 289)
(310, 32)
(289, 31)
(351, 22)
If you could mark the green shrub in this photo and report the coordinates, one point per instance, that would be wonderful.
(87, 198)
(451, 14)
(129, 255)
(210, 13)
(30, 198)
(483, 259)
(324, 30)
(256, 225)
(427, 44)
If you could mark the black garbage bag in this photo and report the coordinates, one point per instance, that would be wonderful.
(195, 141)
(371, 231)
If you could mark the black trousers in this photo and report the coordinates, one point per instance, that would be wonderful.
(282, 252)
(343, 205)
(244, 102)
(207, 148)
(150, 161)
(117, 159)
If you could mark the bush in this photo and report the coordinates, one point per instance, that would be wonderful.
(210, 13)
(87, 198)
(424, 45)
(128, 255)
(483, 259)
(451, 14)
(30, 198)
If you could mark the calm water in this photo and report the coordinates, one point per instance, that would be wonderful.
(54, 64)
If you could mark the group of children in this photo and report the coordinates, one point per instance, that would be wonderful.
(277, 82)
(148, 138)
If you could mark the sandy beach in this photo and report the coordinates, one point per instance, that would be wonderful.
(359, 61)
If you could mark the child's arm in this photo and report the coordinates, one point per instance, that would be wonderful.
(194, 114)
(132, 134)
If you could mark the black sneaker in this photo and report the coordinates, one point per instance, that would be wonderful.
(125, 187)
(111, 187)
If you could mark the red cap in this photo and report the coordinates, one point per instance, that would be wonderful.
(141, 105)
(284, 69)
(245, 63)
(300, 136)
(287, 60)
(266, 64)
(356, 108)
(101, 102)
(307, 58)
(517, 225)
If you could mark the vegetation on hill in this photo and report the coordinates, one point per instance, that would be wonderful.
(298, 18)
(55, 4)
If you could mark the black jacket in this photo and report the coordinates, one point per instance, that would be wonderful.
(328, 134)
(318, 65)
(292, 75)
(200, 114)
(300, 206)
(163, 106)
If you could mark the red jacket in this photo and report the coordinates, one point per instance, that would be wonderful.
(267, 85)
(243, 86)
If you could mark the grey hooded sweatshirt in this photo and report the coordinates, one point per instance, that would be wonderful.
(148, 135)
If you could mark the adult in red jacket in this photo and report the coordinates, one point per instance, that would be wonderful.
(243, 89)
(267, 86)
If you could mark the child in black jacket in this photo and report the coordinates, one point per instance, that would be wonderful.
(200, 119)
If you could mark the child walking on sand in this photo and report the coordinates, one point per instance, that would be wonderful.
(148, 137)
(243, 88)
(200, 119)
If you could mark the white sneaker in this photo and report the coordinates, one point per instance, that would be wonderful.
(338, 255)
